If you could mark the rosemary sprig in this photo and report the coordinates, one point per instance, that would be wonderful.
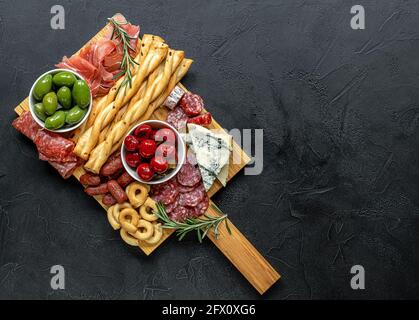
(200, 225)
(127, 62)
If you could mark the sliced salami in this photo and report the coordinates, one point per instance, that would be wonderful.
(171, 206)
(178, 119)
(26, 125)
(202, 207)
(183, 189)
(55, 147)
(66, 169)
(192, 104)
(181, 213)
(166, 193)
(193, 198)
(188, 175)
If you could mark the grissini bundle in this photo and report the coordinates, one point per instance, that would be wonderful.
(90, 137)
(180, 72)
(99, 103)
(125, 94)
(154, 89)
(143, 46)
(121, 112)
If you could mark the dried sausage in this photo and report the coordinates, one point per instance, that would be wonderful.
(112, 165)
(117, 192)
(95, 191)
(90, 179)
(108, 200)
(125, 179)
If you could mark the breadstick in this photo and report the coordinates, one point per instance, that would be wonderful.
(101, 152)
(119, 116)
(125, 94)
(179, 74)
(90, 137)
(174, 80)
(143, 48)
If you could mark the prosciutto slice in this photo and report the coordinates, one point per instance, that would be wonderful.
(100, 61)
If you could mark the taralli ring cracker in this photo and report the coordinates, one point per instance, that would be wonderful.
(147, 210)
(113, 214)
(128, 238)
(158, 233)
(128, 218)
(145, 230)
(137, 193)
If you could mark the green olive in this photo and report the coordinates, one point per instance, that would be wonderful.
(74, 115)
(64, 78)
(40, 111)
(50, 103)
(42, 87)
(64, 97)
(55, 121)
(81, 94)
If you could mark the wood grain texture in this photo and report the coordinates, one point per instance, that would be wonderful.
(242, 254)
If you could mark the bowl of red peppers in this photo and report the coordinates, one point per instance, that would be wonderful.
(153, 152)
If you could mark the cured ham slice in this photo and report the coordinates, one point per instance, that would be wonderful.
(99, 62)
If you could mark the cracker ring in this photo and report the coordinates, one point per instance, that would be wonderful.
(113, 214)
(137, 193)
(144, 210)
(111, 218)
(158, 233)
(128, 218)
(143, 235)
(128, 238)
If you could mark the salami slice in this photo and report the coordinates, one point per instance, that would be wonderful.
(171, 206)
(183, 189)
(193, 198)
(54, 147)
(66, 169)
(192, 104)
(188, 175)
(202, 207)
(178, 119)
(166, 193)
(181, 213)
(26, 125)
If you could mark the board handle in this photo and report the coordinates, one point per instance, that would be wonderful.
(243, 255)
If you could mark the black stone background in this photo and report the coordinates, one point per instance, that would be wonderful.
(339, 109)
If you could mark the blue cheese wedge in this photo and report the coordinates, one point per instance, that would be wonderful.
(212, 150)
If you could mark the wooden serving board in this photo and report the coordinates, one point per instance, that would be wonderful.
(242, 254)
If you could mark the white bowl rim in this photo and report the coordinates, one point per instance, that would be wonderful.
(178, 165)
(39, 121)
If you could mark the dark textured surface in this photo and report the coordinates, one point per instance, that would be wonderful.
(340, 184)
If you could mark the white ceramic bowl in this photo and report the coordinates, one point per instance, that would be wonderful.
(65, 128)
(180, 149)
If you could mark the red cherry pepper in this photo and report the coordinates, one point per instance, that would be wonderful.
(147, 148)
(131, 143)
(152, 134)
(145, 172)
(159, 164)
(133, 159)
(165, 135)
(167, 152)
(143, 131)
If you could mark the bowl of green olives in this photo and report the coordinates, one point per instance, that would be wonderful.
(60, 100)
